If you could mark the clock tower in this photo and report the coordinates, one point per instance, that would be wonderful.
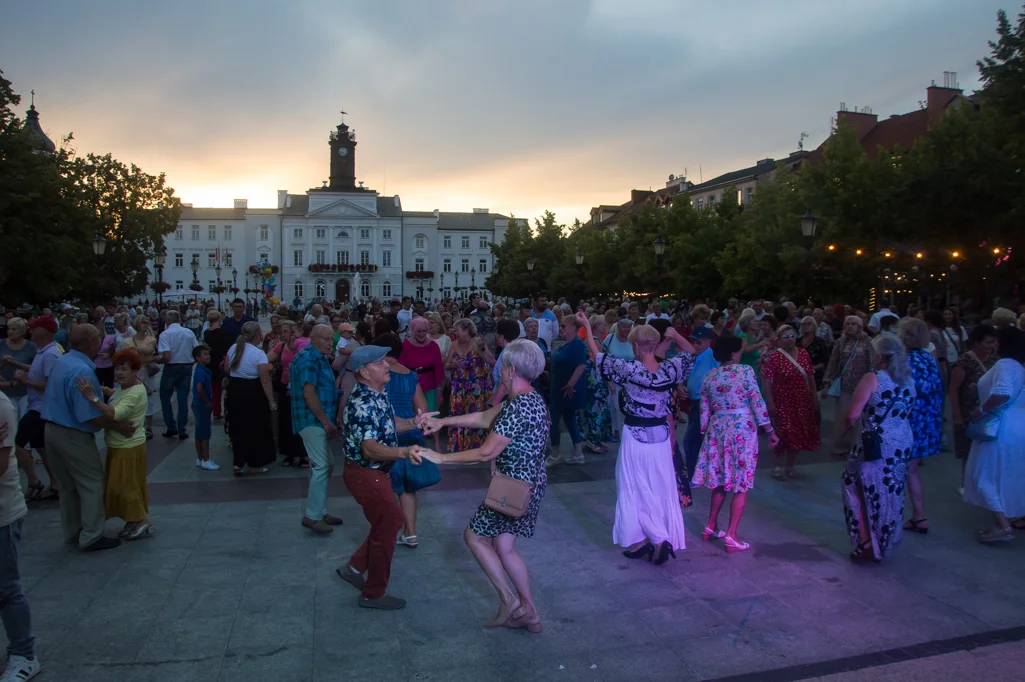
(343, 158)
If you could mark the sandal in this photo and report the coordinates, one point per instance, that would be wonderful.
(710, 533)
(993, 535)
(304, 463)
(51, 495)
(792, 473)
(777, 474)
(916, 526)
(1019, 524)
(288, 461)
(864, 553)
(734, 545)
(34, 492)
(410, 541)
(237, 471)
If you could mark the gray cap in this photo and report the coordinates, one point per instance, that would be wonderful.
(364, 355)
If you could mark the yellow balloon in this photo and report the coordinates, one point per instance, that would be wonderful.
(275, 301)
(267, 272)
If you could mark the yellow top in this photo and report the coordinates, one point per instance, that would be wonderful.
(129, 406)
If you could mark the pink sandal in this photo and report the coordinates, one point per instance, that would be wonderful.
(734, 545)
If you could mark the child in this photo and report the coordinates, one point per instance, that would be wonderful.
(202, 406)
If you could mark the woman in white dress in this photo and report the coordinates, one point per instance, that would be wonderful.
(995, 473)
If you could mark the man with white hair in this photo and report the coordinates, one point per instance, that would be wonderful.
(174, 348)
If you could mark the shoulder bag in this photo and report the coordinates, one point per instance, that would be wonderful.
(872, 440)
(508, 495)
(836, 387)
(987, 427)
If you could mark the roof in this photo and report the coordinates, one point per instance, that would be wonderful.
(386, 207)
(191, 213)
(300, 205)
(896, 131)
(34, 134)
(468, 221)
(765, 166)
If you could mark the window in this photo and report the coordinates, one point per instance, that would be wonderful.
(263, 233)
(418, 241)
(448, 241)
(227, 258)
(711, 199)
(364, 289)
(227, 233)
(386, 234)
(446, 265)
(748, 193)
(342, 257)
(364, 233)
(483, 242)
(298, 288)
(483, 267)
(211, 284)
(321, 257)
(465, 242)
(297, 233)
(179, 233)
(364, 258)
(419, 266)
(297, 258)
(179, 285)
(211, 260)
(179, 260)
(321, 288)
(195, 233)
(211, 232)
(321, 233)
(386, 259)
(699, 203)
(386, 289)
(465, 265)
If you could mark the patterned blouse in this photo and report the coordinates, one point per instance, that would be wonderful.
(859, 365)
(645, 394)
(368, 416)
(968, 391)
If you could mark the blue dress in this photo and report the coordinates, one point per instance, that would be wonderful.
(927, 412)
(401, 390)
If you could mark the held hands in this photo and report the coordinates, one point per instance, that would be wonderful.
(428, 422)
(19, 374)
(85, 387)
(330, 430)
(568, 390)
(417, 453)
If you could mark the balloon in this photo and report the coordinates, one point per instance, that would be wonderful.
(267, 272)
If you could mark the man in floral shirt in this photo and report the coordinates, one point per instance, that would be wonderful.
(371, 446)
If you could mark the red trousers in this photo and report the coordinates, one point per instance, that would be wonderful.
(371, 488)
(216, 397)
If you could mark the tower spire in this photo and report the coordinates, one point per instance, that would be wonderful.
(33, 131)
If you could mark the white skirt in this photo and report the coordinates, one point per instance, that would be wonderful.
(647, 504)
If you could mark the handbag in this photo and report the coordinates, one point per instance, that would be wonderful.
(836, 387)
(413, 477)
(508, 495)
(872, 441)
(987, 427)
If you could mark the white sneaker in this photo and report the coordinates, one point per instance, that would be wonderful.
(20, 669)
(199, 462)
(210, 465)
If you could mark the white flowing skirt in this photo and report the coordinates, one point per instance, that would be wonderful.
(647, 504)
(995, 475)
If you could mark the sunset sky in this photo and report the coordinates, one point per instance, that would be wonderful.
(515, 106)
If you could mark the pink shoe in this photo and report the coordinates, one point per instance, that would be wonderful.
(733, 545)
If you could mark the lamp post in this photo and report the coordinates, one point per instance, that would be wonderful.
(660, 250)
(455, 288)
(473, 279)
(99, 245)
(158, 262)
(195, 269)
(809, 223)
(234, 279)
(218, 270)
(247, 286)
(530, 271)
(430, 291)
(441, 286)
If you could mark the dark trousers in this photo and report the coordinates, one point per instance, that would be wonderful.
(175, 378)
(216, 397)
(13, 604)
(371, 488)
(557, 409)
(693, 438)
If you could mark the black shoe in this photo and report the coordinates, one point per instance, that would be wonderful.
(645, 551)
(348, 575)
(183, 436)
(665, 550)
(170, 433)
(103, 543)
(386, 602)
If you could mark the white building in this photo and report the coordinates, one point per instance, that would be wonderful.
(340, 241)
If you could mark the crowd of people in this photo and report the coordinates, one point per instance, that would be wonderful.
(406, 386)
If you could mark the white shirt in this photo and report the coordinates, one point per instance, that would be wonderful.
(342, 343)
(523, 332)
(12, 500)
(876, 317)
(248, 366)
(404, 317)
(653, 316)
(180, 341)
(119, 337)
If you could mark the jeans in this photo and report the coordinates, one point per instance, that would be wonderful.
(693, 438)
(13, 605)
(371, 488)
(569, 417)
(322, 464)
(175, 378)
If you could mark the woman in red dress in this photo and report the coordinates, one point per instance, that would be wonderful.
(788, 378)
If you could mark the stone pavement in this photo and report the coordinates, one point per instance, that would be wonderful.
(232, 588)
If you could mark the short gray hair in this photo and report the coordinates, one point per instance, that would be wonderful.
(172, 316)
(530, 322)
(914, 333)
(891, 348)
(526, 359)
(121, 318)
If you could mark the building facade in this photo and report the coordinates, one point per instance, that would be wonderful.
(341, 242)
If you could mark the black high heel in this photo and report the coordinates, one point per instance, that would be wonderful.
(864, 554)
(645, 551)
(665, 550)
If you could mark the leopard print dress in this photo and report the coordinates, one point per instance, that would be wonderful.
(524, 420)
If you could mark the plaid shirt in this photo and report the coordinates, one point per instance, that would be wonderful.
(310, 366)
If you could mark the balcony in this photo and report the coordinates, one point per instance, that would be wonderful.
(419, 274)
(347, 267)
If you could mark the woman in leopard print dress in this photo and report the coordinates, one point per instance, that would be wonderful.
(516, 443)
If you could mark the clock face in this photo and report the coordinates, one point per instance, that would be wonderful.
(343, 152)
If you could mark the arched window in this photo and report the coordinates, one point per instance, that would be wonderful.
(298, 289)
(386, 289)
(420, 241)
(364, 289)
(321, 288)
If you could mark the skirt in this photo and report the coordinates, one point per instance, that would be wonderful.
(252, 439)
(647, 503)
(125, 495)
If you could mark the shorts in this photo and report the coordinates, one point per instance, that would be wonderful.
(202, 429)
(30, 431)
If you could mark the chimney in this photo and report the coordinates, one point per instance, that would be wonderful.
(863, 123)
(937, 98)
(282, 193)
(395, 200)
(242, 203)
(435, 213)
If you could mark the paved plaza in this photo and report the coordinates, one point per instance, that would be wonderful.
(232, 588)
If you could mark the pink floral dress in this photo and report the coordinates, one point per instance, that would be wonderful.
(732, 409)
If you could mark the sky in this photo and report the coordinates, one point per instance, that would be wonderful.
(518, 106)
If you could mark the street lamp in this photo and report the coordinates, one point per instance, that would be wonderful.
(441, 286)
(234, 279)
(579, 257)
(660, 250)
(530, 265)
(158, 262)
(456, 287)
(809, 223)
(218, 270)
(473, 279)
(195, 268)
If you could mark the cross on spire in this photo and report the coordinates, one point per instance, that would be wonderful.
(33, 97)
(344, 113)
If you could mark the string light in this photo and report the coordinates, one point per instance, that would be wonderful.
(996, 250)
(858, 252)
(887, 254)
(832, 247)
(956, 254)
(918, 255)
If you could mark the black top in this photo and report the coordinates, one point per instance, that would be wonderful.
(219, 344)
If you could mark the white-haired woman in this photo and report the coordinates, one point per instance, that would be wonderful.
(874, 482)
(517, 444)
(649, 522)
